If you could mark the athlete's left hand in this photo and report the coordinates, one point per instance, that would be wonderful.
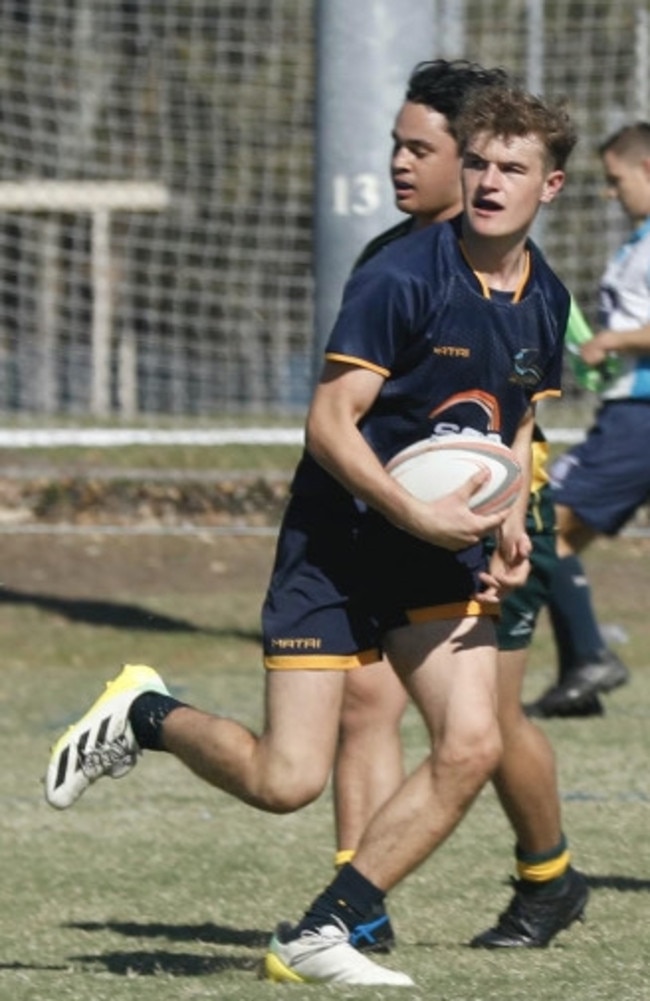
(509, 568)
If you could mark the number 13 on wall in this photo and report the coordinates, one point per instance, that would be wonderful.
(358, 194)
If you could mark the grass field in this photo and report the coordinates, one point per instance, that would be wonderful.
(158, 887)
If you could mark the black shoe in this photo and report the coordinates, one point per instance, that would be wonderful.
(602, 675)
(577, 692)
(555, 703)
(374, 935)
(533, 919)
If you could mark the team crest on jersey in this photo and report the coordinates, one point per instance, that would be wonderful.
(527, 371)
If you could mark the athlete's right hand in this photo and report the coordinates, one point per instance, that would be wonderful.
(450, 522)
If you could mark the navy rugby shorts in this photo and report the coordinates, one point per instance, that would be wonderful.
(606, 478)
(342, 578)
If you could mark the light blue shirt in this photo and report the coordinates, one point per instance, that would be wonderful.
(624, 304)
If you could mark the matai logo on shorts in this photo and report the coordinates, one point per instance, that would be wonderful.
(297, 643)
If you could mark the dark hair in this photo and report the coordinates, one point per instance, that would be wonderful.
(444, 85)
(511, 111)
(630, 139)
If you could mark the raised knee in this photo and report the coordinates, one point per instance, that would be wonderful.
(289, 792)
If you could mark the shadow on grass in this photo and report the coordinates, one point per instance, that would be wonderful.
(33, 966)
(208, 932)
(118, 615)
(624, 884)
(174, 964)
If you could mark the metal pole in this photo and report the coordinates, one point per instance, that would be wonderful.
(535, 53)
(46, 382)
(642, 64)
(366, 50)
(535, 46)
(102, 320)
(450, 28)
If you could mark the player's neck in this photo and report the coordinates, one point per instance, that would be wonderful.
(428, 219)
(498, 264)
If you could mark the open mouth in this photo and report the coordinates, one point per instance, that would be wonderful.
(487, 205)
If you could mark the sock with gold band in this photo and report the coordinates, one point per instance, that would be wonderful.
(543, 872)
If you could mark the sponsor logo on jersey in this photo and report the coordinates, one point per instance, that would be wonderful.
(476, 397)
(451, 351)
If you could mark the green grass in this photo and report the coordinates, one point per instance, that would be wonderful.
(158, 887)
(155, 458)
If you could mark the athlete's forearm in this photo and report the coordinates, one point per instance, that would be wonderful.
(522, 447)
(634, 341)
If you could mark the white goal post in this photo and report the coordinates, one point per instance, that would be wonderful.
(98, 199)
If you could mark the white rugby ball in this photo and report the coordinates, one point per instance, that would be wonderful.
(434, 467)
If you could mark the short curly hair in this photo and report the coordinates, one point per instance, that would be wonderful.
(511, 111)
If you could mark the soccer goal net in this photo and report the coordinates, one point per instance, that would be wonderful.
(156, 190)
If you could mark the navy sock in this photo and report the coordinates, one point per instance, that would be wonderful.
(350, 897)
(576, 629)
(147, 715)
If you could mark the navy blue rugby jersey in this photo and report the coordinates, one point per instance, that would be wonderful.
(454, 356)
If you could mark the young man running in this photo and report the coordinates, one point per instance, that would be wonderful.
(602, 482)
(425, 168)
(430, 337)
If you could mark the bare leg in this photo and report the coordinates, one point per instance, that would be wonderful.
(284, 768)
(368, 766)
(525, 780)
(572, 534)
(449, 669)
(549, 895)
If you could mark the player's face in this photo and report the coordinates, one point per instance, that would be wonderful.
(505, 180)
(628, 180)
(425, 165)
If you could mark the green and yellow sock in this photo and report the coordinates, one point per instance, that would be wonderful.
(543, 872)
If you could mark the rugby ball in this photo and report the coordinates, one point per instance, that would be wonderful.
(434, 467)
